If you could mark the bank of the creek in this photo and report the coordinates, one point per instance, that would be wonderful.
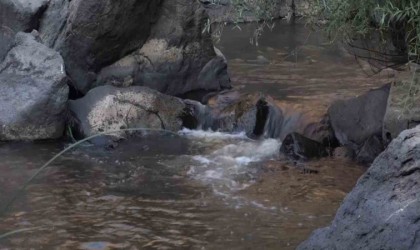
(200, 189)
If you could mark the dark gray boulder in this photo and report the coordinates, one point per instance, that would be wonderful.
(33, 91)
(21, 15)
(383, 210)
(92, 34)
(154, 43)
(370, 149)
(300, 148)
(18, 15)
(109, 108)
(177, 59)
(357, 120)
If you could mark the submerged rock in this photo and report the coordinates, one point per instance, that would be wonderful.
(298, 147)
(33, 91)
(382, 211)
(108, 108)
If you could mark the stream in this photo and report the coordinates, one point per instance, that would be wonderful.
(199, 189)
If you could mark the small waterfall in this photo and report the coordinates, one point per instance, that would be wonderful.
(256, 115)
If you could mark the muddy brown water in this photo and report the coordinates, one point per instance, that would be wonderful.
(198, 190)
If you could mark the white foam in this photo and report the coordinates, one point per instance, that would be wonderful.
(211, 134)
(227, 167)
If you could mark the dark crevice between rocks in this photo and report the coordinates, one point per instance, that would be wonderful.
(36, 19)
(189, 119)
(74, 93)
(261, 119)
(72, 126)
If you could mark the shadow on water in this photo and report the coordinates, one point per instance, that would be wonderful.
(203, 190)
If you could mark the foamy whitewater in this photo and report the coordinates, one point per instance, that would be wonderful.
(229, 167)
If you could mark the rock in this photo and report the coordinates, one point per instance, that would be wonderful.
(262, 60)
(308, 119)
(345, 153)
(21, 15)
(255, 114)
(370, 149)
(382, 211)
(232, 112)
(177, 59)
(15, 16)
(155, 43)
(91, 34)
(33, 91)
(403, 110)
(298, 147)
(6, 41)
(108, 108)
(355, 120)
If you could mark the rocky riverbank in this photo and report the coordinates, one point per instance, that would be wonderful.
(93, 66)
(48, 48)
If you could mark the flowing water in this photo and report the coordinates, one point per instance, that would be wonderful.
(197, 190)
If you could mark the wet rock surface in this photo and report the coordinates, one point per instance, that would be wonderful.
(382, 210)
(33, 91)
(255, 114)
(108, 108)
(299, 148)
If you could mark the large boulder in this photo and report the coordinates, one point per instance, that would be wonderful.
(356, 120)
(91, 34)
(18, 15)
(177, 59)
(33, 91)
(403, 110)
(382, 211)
(155, 43)
(108, 108)
(21, 15)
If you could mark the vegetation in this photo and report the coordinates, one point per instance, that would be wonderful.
(390, 22)
(259, 11)
(396, 21)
